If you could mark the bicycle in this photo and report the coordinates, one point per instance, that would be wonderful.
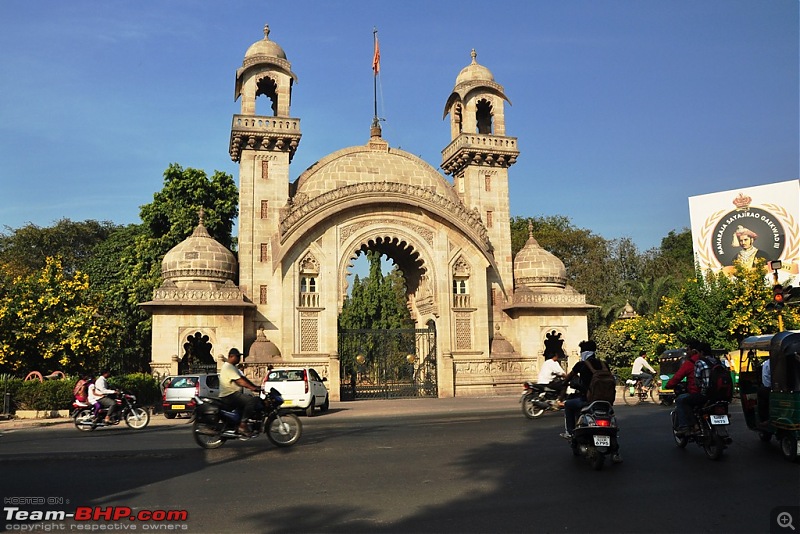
(636, 392)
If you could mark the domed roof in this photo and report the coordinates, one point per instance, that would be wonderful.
(474, 72)
(265, 47)
(199, 257)
(263, 350)
(374, 162)
(535, 267)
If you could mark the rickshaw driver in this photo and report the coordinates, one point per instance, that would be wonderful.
(692, 396)
(763, 393)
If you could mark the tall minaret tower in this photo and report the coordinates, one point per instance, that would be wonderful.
(478, 158)
(263, 144)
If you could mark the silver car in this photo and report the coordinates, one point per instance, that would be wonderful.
(180, 391)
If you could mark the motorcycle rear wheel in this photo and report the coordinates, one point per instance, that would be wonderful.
(529, 409)
(714, 446)
(207, 436)
(84, 420)
(137, 418)
(284, 432)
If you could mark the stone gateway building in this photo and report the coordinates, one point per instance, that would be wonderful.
(481, 319)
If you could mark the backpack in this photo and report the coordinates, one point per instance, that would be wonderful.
(602, 385)
(720, 384)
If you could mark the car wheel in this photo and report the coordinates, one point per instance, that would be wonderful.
(325, 405)
(170, 415)
(310, 409)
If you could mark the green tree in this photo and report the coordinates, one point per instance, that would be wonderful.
(48, 322)
(172, 215)
(25, 250)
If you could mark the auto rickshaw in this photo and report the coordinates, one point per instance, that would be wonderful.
(668, 364)
(774, 411)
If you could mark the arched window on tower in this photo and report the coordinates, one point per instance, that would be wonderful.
(309, 272)
(461, 272)
(268, 87)
(483, 117)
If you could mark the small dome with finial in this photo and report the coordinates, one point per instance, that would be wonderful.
(535, 267)
(474, 72)
(265, 47)
(199, 257)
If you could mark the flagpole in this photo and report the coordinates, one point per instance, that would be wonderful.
(376, 67)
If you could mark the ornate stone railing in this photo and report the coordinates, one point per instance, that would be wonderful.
(259, 132)
(479, 149)
(461, 301)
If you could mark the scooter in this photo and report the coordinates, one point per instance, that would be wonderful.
(595, 434)
(539, 398)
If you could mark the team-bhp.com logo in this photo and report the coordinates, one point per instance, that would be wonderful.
(89, 517)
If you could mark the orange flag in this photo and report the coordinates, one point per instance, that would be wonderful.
(376, 58)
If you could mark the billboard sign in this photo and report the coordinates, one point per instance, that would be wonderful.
(744, 224)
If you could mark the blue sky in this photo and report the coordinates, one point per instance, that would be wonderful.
(622, 108)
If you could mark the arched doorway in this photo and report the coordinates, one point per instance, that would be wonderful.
(383, 364)
(398, 358)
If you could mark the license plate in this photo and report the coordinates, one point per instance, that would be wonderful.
(287, 402)
(719, 419)
(178, 406)
(602, 441)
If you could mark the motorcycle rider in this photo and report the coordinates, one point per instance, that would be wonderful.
(105, 394)
(572, 407)
(551, 372)
(692, 397)
(637, 371)
(232, 380)
(579, 378)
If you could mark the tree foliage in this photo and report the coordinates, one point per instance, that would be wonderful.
(26, 249)
(48, 322)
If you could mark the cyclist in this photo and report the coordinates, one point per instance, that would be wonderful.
(637, 372)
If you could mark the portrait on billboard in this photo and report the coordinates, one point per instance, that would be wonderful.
(741, 227)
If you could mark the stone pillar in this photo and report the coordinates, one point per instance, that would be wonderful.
(334, 377)
(445, 376)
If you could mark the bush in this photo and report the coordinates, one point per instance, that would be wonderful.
(47, 395)
(57, 394)
(144, 386)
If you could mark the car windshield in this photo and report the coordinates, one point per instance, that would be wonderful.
(183, 382)
(285, 376)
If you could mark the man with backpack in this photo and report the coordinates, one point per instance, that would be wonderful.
(592, 380)
(713, 377)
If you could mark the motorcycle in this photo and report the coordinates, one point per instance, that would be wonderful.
(214, 424)
(709, 428)
(86, 417)
(539, 398)
(595, 434)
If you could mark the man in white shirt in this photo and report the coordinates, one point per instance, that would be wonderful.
(551, 370)
(104, 394)
(639, 364)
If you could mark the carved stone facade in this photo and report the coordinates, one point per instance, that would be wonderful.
(450, 237)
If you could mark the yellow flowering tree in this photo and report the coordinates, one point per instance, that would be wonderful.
(48, 322)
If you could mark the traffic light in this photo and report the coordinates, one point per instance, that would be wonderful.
(777, 297)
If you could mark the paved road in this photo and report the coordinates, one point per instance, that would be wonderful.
(438, 465)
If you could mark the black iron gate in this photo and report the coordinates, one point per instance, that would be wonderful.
(382, 364)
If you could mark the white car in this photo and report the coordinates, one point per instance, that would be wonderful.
(301, 388)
